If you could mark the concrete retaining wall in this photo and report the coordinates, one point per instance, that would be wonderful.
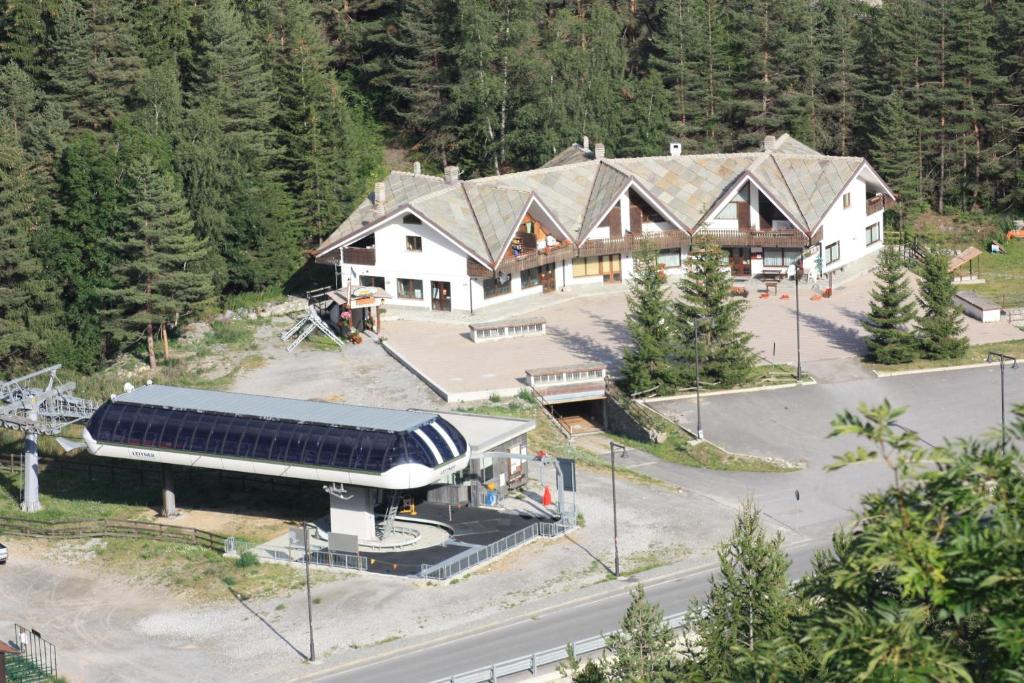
(618, 421)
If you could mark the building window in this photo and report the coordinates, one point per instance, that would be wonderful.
(528, 227)
(584, 266)
(832, 253)
(846, 200)
(413, 243)
(496, 286)
(728, 212)
(410, 289)
(670, 258)
(781, 258)
(873, 233)
(411, 219)
(371, 281)
(529, 277)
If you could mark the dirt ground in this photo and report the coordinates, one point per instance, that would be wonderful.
(109, 628)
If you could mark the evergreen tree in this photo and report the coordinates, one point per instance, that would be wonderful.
(26, 304)
(750, 602)
(95, 61)
(229, 157)
(890, 312)
(940, 329)
(647, 364)
(840, 83)
(895, 154)
(155, 280)
(706, 309)
(422, 76)
(645, 121)
(644, 646)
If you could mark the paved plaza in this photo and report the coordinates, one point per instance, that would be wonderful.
(589, 327)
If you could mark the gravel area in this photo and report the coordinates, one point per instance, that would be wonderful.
(70, 601)
(359, 373)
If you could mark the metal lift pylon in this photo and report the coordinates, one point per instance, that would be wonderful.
(34, 410)
(308, 323)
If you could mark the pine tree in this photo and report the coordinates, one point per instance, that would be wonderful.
(706, 309)
(646, 119)
(27, 305)
(749, 603)
(95, 62)
(229, 156)
(645, 644)
(422, 75)
(890, 313)
(840, 80)
(155, 280)
(647, 364)
(895, 154)
(940, 329)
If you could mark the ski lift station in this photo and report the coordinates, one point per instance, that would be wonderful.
(367, 457)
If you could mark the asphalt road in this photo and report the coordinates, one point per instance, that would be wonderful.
(808, 504)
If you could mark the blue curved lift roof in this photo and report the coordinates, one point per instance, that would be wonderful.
(277, 429)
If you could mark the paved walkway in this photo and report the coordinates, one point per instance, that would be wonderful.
(589, 327)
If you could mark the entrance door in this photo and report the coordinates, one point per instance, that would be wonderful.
(440, 295)
(739, 260)
(547, 277)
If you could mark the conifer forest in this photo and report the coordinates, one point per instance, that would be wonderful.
(159, 155)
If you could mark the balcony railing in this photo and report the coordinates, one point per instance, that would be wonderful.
(877, 203)
(670, 239)
(763, 238)
(539, 257)
(360, 256)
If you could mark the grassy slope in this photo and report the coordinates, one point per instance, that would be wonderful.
(676, 448)
(1003, 275)
(975, 354)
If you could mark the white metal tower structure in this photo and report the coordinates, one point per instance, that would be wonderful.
(38, 403)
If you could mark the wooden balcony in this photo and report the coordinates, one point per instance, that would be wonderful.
(538, 257)
(669, 239)
(360, 256)
(755, 238)
(878, 203)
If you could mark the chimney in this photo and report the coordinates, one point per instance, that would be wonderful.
(416, 168)
(769, 142)
(379, 196)
(675, 149)
(599, 150)
(451, 174)
(586, 144)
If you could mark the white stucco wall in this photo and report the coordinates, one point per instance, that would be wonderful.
(847, 226)
(439, 260)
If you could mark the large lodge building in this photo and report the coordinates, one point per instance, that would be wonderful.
(462, 245)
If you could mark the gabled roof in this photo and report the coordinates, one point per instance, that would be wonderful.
(573, 154)
(576, 190)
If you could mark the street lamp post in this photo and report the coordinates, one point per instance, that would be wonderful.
(696, 354)
(309, 599)
(612, 447)
(1003, 358)
(799, 271)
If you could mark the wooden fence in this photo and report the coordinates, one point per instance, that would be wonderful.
(112, 528)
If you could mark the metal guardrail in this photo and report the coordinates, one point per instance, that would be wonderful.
(471, 557)
(318, 557)
(531, 663)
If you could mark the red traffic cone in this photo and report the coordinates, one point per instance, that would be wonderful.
(547, 496)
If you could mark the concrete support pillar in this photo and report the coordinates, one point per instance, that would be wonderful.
(353, 514)
(170, 508)
(31, 496)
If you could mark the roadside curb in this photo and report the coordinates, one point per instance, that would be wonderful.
(921, 371)
(726, 392)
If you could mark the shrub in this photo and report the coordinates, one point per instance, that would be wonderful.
(247, 559)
